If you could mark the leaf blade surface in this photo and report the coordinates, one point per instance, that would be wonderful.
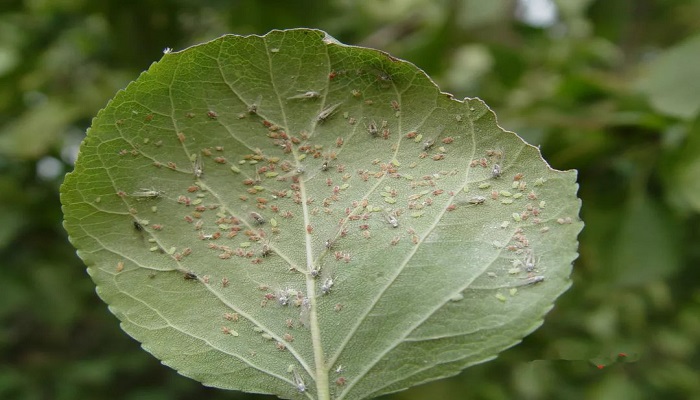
(285, 212)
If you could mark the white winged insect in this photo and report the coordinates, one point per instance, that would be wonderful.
(391, 219)
(476, 200)
(147, 193)
(298, 380)
(316, 272)
(532, 280)
(299, 170)
(372, 129)
(327, 112)
(253, 108)
(283, 296)
(497, 157)
(530, 263)
(327, 285)
(257, 218)
(197, 167)
(327, 281)
(305, 311)
(496, 171)
(266, 250)
(306, 95)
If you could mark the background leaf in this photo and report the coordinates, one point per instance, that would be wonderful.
(351, 227)
(672, 82)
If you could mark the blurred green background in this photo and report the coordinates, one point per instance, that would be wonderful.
(609, 87)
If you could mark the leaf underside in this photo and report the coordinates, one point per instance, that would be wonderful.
(289, 215)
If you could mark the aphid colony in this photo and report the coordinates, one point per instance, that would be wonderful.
(298, 171)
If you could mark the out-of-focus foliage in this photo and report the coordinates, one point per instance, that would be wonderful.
(608, 87)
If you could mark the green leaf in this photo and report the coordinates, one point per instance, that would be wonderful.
(682, 167)
(646, 247)
(285, 212)
(33, 133)
(673, 80)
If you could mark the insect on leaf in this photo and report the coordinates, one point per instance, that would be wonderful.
(355, 264)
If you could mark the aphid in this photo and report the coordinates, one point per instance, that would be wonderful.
(327, 285)
(231, 317)
(327, 112)
(496, 171)
(311, 94)
(428, 144)
(138, 226)
(257, 218)
(147, 193)
(316, 272)
(494, 153)
(198, 168)
(270, 296)
(120, 266)
(190, 276)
